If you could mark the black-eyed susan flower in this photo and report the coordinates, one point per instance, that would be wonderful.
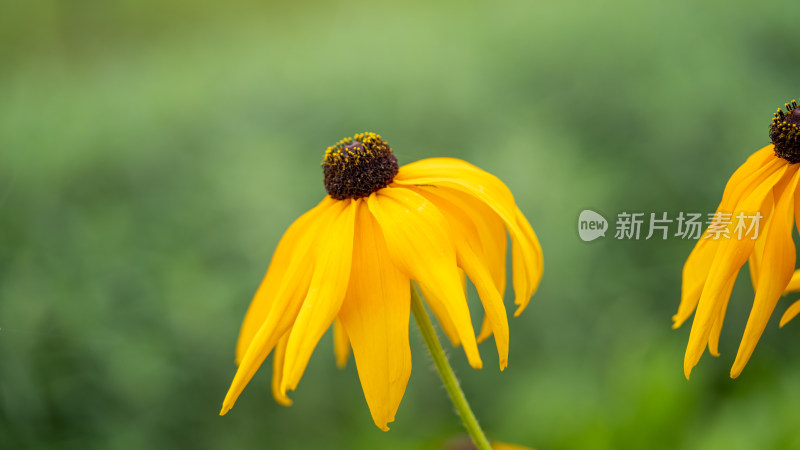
(348, 263)
(765, 190)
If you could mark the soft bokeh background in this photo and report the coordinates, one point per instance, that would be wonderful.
(152, 154)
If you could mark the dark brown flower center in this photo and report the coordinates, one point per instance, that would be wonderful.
(785, 132)
(358, 166)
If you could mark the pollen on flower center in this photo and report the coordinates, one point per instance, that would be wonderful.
(785, 132)
(358, 166)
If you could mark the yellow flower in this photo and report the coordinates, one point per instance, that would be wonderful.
(349, 262)
(763, 188)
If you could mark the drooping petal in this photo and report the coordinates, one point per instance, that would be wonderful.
(777, 268)
(716, 329)
(470, 257)
(791, 312)
(440, 311)
(755, 259)
(489, 232)
(375, 314)
(341, 344)
(534, 271)
(286, 301)
(698, 265)
(262, 301)
(797, 211)
(729, 258)
(278, 356)
(794, 283)
(695, 274)
(754, 263)
(486, 329)
(325, 293)
(490, 297)
(418, 241)
(466, 178)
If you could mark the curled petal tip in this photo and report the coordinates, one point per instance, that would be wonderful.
(282, 388)
(383, 422)
(282, 399)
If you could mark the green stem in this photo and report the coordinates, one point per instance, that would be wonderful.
(446, 373)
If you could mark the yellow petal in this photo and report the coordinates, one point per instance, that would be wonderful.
(325, 293)
(777, 268)
(695, 274)
(486, 229)
(754, 262)
(461, 176)
(262, 301)
(285, 303)
(470, 257)
(418, 240)
(729, 258)
(341, 344)
(534, 271)
(486, 329)
(755, 259)
(797, 210)
(492, 302)
(716, 329)
(794, 283)
(440, 311)
(375, 314)
(698, 265)
(790, 313)
(455, 169)
(278, 357)
(491, 238)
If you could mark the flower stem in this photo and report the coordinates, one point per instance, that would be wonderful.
(446, 373)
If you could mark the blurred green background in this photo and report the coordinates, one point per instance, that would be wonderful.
(152, 153)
